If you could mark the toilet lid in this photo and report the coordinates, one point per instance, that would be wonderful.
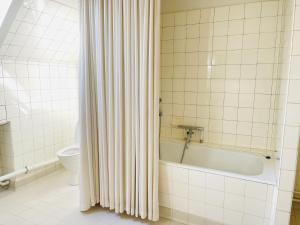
(72, 150)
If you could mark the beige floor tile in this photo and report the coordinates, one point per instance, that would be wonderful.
(50, 201)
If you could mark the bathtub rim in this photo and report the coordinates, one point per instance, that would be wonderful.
(268, 175)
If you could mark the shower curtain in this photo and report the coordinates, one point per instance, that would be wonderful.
(119, 105)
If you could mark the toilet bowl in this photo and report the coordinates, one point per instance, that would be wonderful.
(69, 157)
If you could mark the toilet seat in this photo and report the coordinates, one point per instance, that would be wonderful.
(69, 151)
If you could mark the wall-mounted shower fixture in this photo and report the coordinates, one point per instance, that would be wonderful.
(190, 129)
(160, 112)
(160, 116)
(189, 133)
(188, 139)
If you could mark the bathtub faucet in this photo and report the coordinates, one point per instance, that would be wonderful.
(190, 131)
(189, 135)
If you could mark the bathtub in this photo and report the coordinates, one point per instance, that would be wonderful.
(215, 186)
(232, 163)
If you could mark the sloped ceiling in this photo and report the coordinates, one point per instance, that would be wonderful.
(43, 30)
(8, 11)
(4, 5)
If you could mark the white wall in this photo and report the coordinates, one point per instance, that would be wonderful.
(39, 79)
(219, 70)
(290, 101)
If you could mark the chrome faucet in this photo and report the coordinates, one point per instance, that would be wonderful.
(189, 134)
(188, 139)
(189, 128)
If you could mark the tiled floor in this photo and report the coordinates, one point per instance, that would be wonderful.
(50, 201)
(295, 214)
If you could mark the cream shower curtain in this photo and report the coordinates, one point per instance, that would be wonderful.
(119, 105)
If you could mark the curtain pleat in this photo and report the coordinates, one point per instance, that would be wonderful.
(119, 105)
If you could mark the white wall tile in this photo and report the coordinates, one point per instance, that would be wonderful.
(269, 8)
(296, 47)
(214, 213)
(235, 186)
(256, 190)
(282, 218)
(221, 13)
(250, 220)
(220, 28)
(196, 208)
(233, 217)
(235, 27)
(168, 20)
(294, 91)
(289, 159)
(165, 200)
(291, 137)
(251, 26)
(180, 189)
(293, 110)
(284, 201)
(180, 204)
(253, 10)
(234, 202)
(255, 207)
(179, 32)
(236, 12)
(197, 193)
(287, 180)
(215, 182)
(180, 175)
(268, 24)
(213, 197)
(180, 19)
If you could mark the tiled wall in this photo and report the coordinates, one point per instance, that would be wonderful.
(44, 31)
(40, 101)
(290, 75)
(39, 80)
(182, 92)
(219, 71)
(195, 197)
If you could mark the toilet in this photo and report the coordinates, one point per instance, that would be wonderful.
(69, 157)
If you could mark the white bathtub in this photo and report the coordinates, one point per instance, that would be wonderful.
(215, 186)
(233, 163)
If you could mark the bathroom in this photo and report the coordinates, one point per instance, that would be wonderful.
(149, 112)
